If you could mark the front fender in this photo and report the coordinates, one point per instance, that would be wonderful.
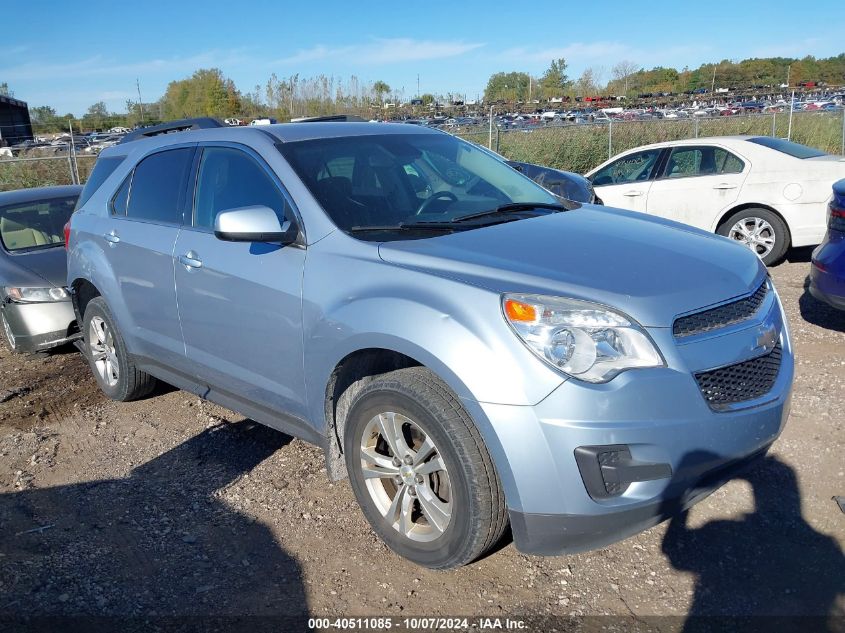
(455, 329)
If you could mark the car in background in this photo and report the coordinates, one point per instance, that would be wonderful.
(767, 193)
(827, 271)
(35, 308)
(564, 184)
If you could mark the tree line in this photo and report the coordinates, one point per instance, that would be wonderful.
(628, 79)
(208, 92)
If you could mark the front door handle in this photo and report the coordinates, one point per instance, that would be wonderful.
(111, 237)
(724, 185)
(190, 260)
(633, 193)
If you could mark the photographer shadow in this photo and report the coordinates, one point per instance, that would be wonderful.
(768, 570)
(159, 544)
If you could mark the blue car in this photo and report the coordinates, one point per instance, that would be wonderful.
(471, 352)
(827, 275)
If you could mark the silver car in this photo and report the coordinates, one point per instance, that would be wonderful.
(35, 309)
(471, 353)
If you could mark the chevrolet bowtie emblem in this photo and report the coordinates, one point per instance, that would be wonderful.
(767, 338)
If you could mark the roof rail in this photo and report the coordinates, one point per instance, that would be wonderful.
(181, 125)
(329, 117)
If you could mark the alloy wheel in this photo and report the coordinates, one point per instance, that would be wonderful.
(756, 233)
(406, 476)
(102, 351)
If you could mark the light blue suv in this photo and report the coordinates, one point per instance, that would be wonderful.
(470, 350)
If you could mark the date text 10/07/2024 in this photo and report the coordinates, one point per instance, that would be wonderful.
(416, 624)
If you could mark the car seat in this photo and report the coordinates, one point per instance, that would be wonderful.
(16, 235)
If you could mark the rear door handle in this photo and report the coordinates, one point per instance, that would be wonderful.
(724, 185)
(190, 260)
(633, 193)
(111, 237)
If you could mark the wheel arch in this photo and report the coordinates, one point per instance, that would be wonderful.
(357, 368)
(753, 205)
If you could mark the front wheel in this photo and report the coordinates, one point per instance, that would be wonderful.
(762, 231)
(420, 471)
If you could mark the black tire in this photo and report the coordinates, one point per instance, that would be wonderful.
(479, 517)
(781, 232)
(5, 330)
(131, 383)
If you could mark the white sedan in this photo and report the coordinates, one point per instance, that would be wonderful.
(766, 192)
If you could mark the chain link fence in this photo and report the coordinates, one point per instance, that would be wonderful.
(576, 147)
(579, 147)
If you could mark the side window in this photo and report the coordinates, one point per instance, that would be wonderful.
(159, 186)
(701, 161)
(103, 168)
(689, 161)
(228, 179)
(631, 168)
(121, 198)
(727, 163)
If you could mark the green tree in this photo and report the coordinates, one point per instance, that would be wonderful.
(512, 86)
(95, 116)
(380, 89)
(5, 90)
(205, 93)
(554, 82)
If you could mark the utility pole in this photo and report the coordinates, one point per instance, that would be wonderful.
(713, 83)
(140, 101)
(418, 85)
(788, 69)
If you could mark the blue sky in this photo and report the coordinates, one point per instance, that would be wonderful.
(72, 57)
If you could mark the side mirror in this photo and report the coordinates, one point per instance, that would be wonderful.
(253, 224)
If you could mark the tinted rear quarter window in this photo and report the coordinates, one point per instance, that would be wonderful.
(795, 150)
(159, 186)
(103, 168)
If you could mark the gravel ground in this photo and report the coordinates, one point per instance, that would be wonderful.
(174, 506)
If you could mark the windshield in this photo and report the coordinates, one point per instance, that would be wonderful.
(37, 224)
(365, 182)
(787, 147)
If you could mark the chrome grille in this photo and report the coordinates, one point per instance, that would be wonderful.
(722, 316)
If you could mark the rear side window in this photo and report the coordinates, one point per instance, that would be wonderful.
(159, 186)
(228, 179)
(701, 161)
(103, 168)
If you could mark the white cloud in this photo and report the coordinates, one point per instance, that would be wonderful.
(98, 66)
(381, 52)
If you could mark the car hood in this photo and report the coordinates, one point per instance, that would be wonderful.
(650, 268)
(38, 266)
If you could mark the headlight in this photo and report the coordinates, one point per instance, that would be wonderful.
(585, 340)
(36, 295)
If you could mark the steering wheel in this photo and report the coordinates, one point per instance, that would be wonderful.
(437, 195)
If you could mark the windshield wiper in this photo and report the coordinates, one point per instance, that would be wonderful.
(406, 226)
(511, 208)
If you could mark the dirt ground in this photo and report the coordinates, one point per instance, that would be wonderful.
(173, 506)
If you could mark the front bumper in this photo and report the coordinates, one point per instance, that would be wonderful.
(40, 326)
(661, 418)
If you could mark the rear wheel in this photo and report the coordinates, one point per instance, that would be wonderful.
(116, 374)
(762, 231)
(421, 472)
